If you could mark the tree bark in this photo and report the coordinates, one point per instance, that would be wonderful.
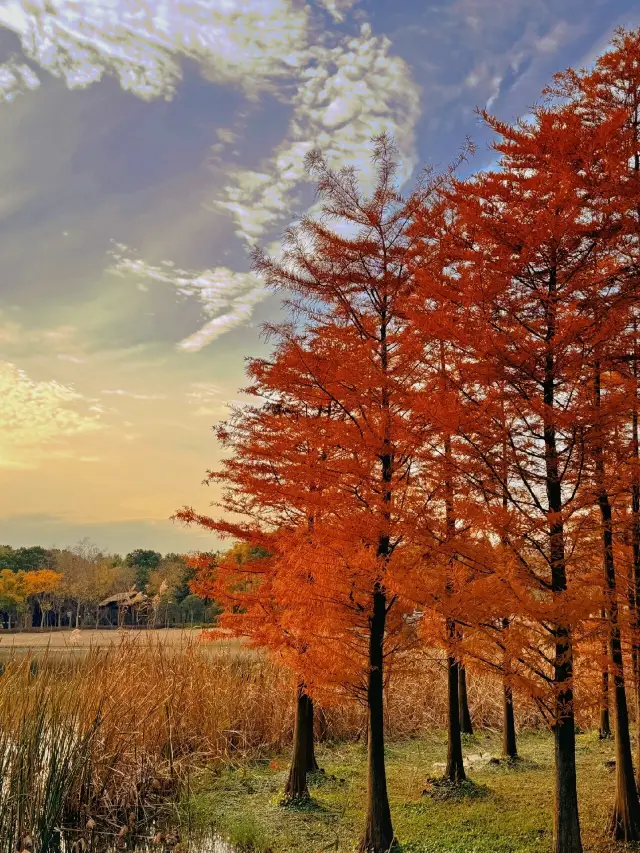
(455, 767)
(566, 828)
(296, 787)
(509, 743)
(466, 726)
(634, 593)
(378, 830)
(312, 764)
(378, 834)
(605, 720)
(634, 586)
(625, 819)
(454, 770)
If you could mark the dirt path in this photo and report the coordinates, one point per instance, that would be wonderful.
(70, 642)
(79, 639)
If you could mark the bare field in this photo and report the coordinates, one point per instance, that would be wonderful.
(79, 640)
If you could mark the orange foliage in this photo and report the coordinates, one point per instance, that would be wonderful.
(444, 446)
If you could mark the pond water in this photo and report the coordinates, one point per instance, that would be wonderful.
(209, 844)
(214, 845)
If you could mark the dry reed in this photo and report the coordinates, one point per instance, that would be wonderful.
(116, 731)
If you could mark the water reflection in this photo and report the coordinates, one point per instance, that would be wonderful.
(208, 844)
(214, 845)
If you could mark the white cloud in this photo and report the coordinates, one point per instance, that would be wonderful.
(492, 53)
(119, 392)
(343, 90)
(347, 94)
(337, 8)
(72, 358)
(227, 298)
(203, 391)
(495, 94)
(554, 38)
(16, 78)
(209, 400)
(59, 341)
(226, 135)
(244, 42)
(36, 415)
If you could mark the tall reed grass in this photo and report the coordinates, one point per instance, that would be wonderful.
(113, 734)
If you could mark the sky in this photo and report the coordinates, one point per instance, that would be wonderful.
(145, 147)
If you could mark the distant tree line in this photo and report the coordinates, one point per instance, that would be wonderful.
(83, 586)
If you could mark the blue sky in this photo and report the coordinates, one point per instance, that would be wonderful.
(145, 147)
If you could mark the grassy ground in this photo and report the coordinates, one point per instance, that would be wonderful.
(507, 811)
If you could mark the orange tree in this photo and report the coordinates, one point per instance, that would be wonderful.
(530, 260)
(351, 355)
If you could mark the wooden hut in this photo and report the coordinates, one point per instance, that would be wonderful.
(129, 608)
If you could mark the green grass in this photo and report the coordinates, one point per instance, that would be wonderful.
(507, 810)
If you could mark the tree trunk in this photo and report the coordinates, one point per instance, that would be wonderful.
(625, 819)
(296, 787)
(455, 768)
(604, 729)
(466, 726)
(566, 828)
(605, 721)
(312, 764)
(634, 594)
(509, 744)
(378, 834)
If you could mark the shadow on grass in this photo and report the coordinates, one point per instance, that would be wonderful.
(302, 804)
(320, 779)
(440, 789)
(512, 765)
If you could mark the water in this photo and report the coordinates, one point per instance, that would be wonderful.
(209, 844)
(215, 845)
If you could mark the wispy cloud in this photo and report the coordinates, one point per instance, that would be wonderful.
(227, 298)
(244, 42)
(119, 392)
(208, 400)
(63, 341)
(342, 90)
(71, 358)
(203, 391)
(338, 8)
(36, 415)
(471, 53)
(347, 94)
(16, 78)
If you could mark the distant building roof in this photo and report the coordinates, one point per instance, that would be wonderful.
(125, 599)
